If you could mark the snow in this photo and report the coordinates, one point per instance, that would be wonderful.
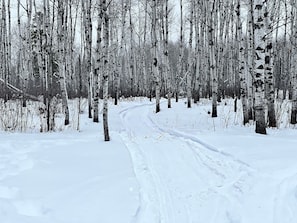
(179, 165)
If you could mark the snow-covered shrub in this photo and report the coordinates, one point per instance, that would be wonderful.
(14, 117)
(33, 117)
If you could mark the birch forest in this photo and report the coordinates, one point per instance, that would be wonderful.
(54, 51)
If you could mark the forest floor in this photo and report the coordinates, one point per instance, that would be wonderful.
(176, 166)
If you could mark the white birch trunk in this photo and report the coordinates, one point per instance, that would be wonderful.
(21, 48)
(87, 27)
(213, 65)
(191, 57)
(9, 61)
(250, 62)
(61, 47)
(181, 54)
(155, 64)
(106, 70)
(242, 74)
(166, 57)
(4, 50)
(269, 78)
(98, 65)
(124, 10)
(293, 76)
(259, 32)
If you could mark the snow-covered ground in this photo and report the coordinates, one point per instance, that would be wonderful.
(177, 166)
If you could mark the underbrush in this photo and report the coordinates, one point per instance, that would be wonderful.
(15, 118)
(33, 118)
(199, 119)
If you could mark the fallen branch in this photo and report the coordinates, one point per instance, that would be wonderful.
(15, 89)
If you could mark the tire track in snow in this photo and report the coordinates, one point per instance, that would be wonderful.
(148, 210)
(155, 197)
(238, 178)
(286, 191)
(215, 166)
(202, 144)
(209, 160)
(149, 204)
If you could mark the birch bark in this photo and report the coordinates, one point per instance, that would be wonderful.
(166, 56)
(293, 76)
(155, 54)
(61, 47)
(106, 70)
(269, 78)
(259, 32)
(241, 68)
(213, 65)
(191, 55)
(181, 54)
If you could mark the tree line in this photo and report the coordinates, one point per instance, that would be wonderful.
(245, 49)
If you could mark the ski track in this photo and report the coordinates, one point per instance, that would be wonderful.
(222, 183)
(163, 194)
(286, 191)
(155, 198)
(190, 181)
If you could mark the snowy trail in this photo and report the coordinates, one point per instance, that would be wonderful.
(285, 202)
(182, 179)
(265, 196)
(179, 165)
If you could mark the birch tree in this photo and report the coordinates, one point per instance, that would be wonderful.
(259, 32)
(106, 69)
(4, 50)
(166, 56)
(212, 51)
(293, 119)
(9, 36)
(61, 47)
(98, 64)
(121, 63)
(181, 53)
(132, 77)
(155, 61)
(269, 78)
(87, 27)
(199, 33)
(191, 57)
(250, 61)
(28, 72)
(241, 67)
(144, 57)
(20, 64)
(48, 60)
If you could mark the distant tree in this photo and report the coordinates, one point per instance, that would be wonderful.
(181, 53)
(87, 27)
(4, 55)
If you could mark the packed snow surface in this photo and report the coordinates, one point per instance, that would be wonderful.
(176, 166)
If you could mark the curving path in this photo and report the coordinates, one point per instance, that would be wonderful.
(182, 179)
